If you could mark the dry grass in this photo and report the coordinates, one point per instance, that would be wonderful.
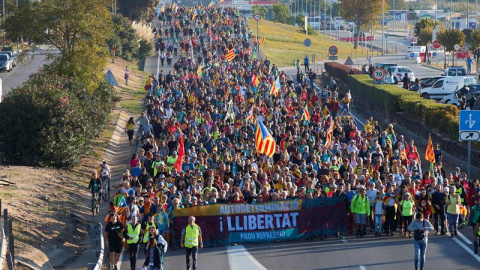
(143, 31)
(284, 43)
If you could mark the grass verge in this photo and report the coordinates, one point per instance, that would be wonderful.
(284, 43)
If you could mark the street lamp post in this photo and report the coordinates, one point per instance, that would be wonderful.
(324, 21)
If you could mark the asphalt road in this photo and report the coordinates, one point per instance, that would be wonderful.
(22, 71)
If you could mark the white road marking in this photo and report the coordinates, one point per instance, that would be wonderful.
(119, 263)
(344, 240)
(362, 267)
(239, 259)
(467, 249)
(464, 238)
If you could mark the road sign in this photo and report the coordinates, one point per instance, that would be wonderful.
(456, 47)
(307, 42)
(257, 17)
(469, 121)
(333, 57)
(378, 74)
(436, 44)
(470, 136)
(349, 62)
(333, 50)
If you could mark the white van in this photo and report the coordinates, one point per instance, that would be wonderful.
(446, 86)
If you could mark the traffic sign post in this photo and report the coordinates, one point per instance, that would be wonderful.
(378, 74)
(333, 51)
(307, 42)
(469, 130)
(349, 61)
(257, 18)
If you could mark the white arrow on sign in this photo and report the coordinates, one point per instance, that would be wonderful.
(470, 122)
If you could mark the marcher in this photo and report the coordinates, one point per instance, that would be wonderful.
(127, 75)
(420, 228)
(154, 252)
(306, 62)
(407, 207)
(132, 234)
(192, 241)
(474, 222)
(114, 235)
(360, 207)
(130, 129)
(453, 202)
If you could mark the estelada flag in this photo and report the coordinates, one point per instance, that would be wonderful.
(429, 153)
(306, 114)
(250, 116)
(275, 87)
(181, 155)
(328, 140)
(230, 55)
(199, 71)
(264, 142)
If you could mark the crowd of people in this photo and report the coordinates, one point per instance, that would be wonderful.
(197, 143)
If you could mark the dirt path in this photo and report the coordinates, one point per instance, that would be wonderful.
(44, 202)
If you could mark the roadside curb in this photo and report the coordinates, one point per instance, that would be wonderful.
(434, 68)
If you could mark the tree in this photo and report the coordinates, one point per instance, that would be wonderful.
(362, 12)
(282, 14)
(449, 37)
(425, 35)
(138, 10)
(424, 23)
(260, 9)
(79, 29)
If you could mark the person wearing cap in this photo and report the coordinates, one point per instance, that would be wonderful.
(192, 241)
(360, 207)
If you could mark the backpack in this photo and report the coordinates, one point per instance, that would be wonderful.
(418, 234)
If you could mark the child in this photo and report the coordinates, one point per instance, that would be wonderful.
(379, 211)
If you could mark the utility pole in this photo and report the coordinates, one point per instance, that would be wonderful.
(383, 27)
(4, 18)
(324, 21)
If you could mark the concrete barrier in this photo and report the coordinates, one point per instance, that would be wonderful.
(3, 245)
(98, 251)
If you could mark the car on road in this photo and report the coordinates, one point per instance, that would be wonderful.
(445, 86)
(398, 72)
(12, 56)
(454, 96)
(6, 62)
(428, 82)
(455, 71)
(385, 65)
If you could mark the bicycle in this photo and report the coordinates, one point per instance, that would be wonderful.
(106, 189)
(95, 204)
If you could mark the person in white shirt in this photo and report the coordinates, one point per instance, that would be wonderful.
(371, 195)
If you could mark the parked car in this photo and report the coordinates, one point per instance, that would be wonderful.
(454, 96)
(455, 71)
(428, 82)
(6, 62)
(446, 86)
(11, 55)
(385, 65)
(398, 72)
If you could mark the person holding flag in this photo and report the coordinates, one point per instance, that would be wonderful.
(305, 114)
(275, 87)
(430, 153)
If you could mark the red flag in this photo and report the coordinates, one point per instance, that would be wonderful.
(181, 155)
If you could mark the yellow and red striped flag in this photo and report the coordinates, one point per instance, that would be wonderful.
(429, 153)
(210, 4)
(264, 142)
(199, 71)
(230, 55)
(262, 40)
(163, 8)
(328, 140)
(250, 117)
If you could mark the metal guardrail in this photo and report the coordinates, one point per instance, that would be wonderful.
(98, 242)
(3, 245)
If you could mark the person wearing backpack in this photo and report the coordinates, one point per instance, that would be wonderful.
(474, 221)
(420, 228)
(360, 207)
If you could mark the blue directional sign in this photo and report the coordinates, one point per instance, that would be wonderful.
(469, 121)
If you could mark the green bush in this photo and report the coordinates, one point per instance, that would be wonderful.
(392, 99)
(51, 120)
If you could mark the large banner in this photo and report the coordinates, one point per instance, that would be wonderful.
(265, 222)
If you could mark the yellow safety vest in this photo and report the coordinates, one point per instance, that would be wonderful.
(147, 233)
(191, 236)
(134, 234)
(459, 192)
